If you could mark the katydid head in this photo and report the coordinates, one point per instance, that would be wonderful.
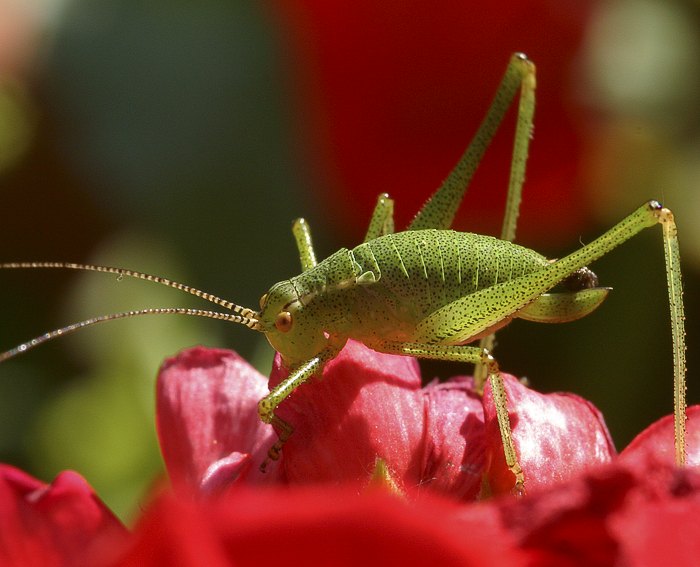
(280, 318)
(289, 331)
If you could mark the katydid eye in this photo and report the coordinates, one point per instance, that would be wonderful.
(283, 323)
(263, 299)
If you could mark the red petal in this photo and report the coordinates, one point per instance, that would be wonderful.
(615, 515)
(367, 406)
(178, 533)
(648, 541)
(658, 440)
(455, 447)
(208, 425)
(659, 522)
(556, 436)
(63, 523)
(316, 526)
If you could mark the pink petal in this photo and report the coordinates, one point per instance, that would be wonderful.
(207, 419)
(455, 449)
(367, 406)
(224, 472)
(556, 436)
(658, 440)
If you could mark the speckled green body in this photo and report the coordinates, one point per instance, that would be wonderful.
(428, 291)
(382, 289)
(419, 272)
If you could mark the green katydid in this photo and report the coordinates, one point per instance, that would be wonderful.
(429, 291)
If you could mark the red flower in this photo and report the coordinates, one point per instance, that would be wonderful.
(656, 441)
(63, 523)
(615, 515)
(208, 425)
(556, 436)
(640, 510)
(368, 407)
(317, 526)
(371, 406)
(580, 509)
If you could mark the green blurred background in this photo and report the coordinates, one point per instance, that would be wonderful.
(182, 138)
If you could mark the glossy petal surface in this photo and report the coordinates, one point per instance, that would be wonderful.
(557, 436)
(208, 425)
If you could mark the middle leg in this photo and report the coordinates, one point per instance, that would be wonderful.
(382, 221)
(472, 355)
(302, 236)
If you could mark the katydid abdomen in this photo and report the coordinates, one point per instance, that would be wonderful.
(381, 289)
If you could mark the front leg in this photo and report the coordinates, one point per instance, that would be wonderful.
(268, 405)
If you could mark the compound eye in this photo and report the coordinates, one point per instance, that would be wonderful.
(283, 323)
(263, 299)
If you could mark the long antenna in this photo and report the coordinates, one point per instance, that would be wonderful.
(245, 316)
(121, 272)
(24, 347)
